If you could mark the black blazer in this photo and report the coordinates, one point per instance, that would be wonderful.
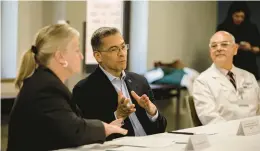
(44, 117)
(97, 98)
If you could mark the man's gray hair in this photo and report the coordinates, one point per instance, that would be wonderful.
(99, 34)
(233, 38)
(227, 33)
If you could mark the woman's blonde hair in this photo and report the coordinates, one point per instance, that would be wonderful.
(48, 40)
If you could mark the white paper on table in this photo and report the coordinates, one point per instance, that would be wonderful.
(224, 142)
(177, 138)
(151, 141)
(90, 147)
(173, 147)
(130, 148)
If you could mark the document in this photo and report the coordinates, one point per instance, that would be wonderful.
(143, 141)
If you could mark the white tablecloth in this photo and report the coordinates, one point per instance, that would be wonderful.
(221, 136)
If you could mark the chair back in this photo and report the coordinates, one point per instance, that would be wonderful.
(192, 111)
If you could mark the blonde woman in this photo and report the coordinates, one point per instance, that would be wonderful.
(43, 116)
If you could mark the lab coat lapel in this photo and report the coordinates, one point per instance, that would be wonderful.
(222, 79)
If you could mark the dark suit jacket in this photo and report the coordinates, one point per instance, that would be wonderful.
(97, 98)
(44, 117)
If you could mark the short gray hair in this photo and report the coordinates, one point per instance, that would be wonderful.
(227, 33)
(233, 38)
(99, 34)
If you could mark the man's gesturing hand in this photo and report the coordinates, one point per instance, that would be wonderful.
(124, 108)
(145, 103)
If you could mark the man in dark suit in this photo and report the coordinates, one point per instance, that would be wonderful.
(110, 92)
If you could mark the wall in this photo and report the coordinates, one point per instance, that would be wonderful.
(29, 21)
(180, 30)
(76, 14)
(175, 30)
(138, 36)
(9, 8)
(37, 14)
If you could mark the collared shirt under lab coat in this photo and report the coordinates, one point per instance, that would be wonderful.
(216, 99)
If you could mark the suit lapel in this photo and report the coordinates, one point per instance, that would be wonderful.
(132, 86)
(106, 84)
(106, 89)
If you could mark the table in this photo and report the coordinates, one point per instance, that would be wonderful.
(164, 91)
(221, 136)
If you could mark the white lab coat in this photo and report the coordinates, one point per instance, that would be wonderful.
(216, 99)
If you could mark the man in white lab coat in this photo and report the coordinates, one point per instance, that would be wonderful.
(224, 92)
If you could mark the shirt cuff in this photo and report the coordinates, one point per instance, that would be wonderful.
(153, 118)
(115, 115)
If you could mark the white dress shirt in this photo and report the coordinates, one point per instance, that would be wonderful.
(120, 85)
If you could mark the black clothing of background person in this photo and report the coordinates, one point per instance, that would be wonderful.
(246, 31)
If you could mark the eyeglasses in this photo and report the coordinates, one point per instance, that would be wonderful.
(116, 49)
(224, 44)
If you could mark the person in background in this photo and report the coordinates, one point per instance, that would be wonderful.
(43, 116)
(224, 92)
(246, 34)
(110, 92)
